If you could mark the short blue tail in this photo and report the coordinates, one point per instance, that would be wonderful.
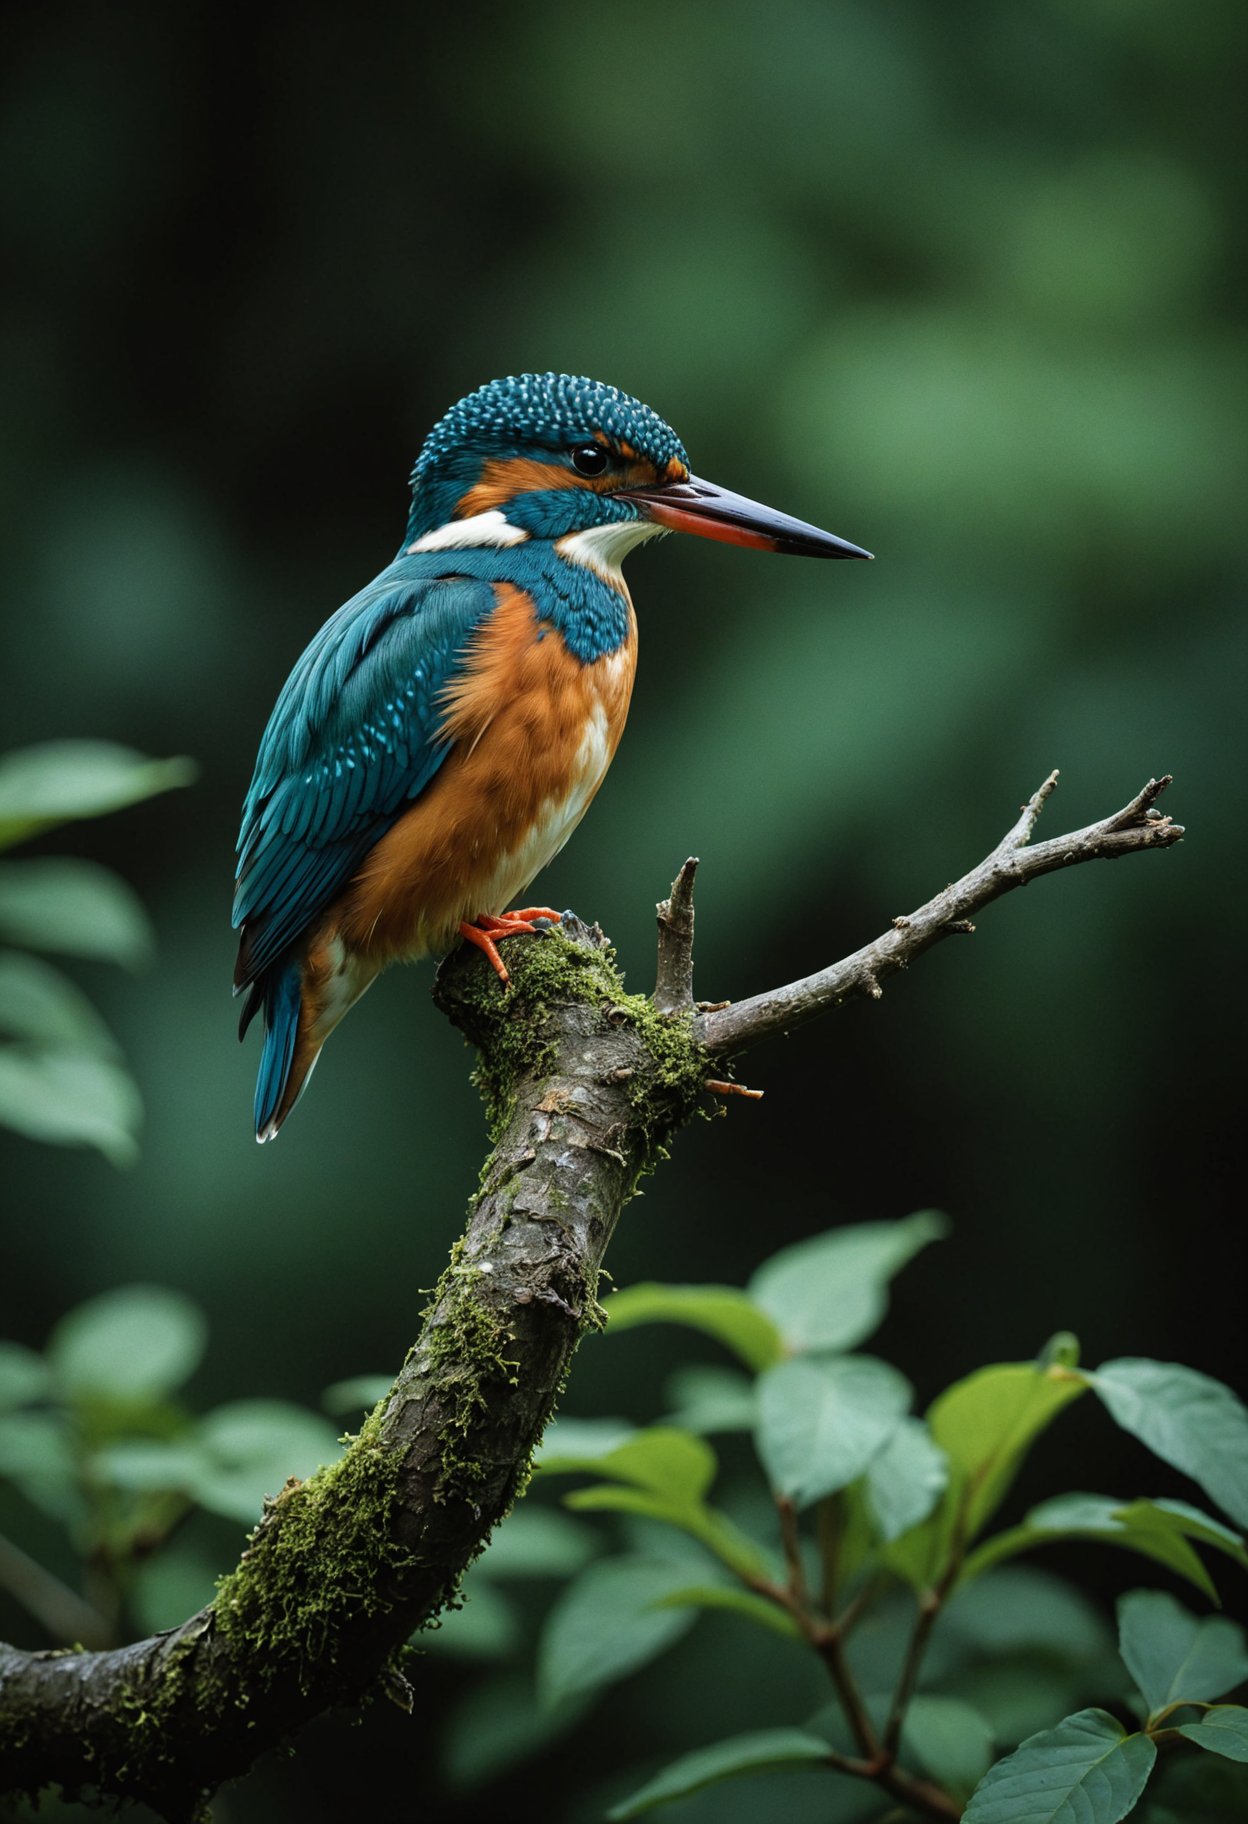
(283, 999)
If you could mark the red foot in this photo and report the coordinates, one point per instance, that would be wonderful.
(487, 931)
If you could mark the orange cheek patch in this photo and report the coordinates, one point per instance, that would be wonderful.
(503, 477)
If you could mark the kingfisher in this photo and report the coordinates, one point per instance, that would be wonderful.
(446, 730)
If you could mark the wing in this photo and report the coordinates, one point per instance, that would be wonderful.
(353, 739)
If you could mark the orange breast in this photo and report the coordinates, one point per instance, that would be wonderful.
(534, 732)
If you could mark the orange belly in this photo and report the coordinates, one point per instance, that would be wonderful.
(534, 731)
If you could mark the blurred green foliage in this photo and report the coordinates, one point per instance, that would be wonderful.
(60, 1079)
(95, 1439)
(964, 284)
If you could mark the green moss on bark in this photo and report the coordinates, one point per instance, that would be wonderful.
(511, 1028)
(323, 1556)
(465, 1351)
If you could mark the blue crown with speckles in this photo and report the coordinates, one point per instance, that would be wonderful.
(521, 414)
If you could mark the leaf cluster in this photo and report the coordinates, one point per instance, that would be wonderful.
(61, 1078)
(957, 1675)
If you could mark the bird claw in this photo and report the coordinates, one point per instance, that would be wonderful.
(488, 930)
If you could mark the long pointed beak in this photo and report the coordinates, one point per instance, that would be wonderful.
(711, 512)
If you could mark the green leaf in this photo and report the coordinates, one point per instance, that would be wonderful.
(988, 1422)
(739, 1602)
(821, 1421)
(1086, 1771)
(671, 1463)
(250, 1450)
(38, 1002)
(24, 1376)
(705, 1524)
(137, 1342)
(147, 1465)
(579, 1444)
(906, 1480)
(1222, 1730)
(665, 1476)
(58, 780)
(950, 1740)
(74, 906)
(710, 1400)
(759, 1751)
(606, 1624)
(1183, 1518)
(1025, 1611)
(1175, 1658)
(985, 1424)
(35, 1455)
(1187, 1419)
(1155, 1520)
(1137, 1526)
(68, 1098)
(719, 1311)
(359, 1394)
(538, 1542)
(832, 1291)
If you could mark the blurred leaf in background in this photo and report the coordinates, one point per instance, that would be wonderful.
(59, 781)
(95, 1436)
(60, 1076)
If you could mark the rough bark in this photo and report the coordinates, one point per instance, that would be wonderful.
(583, 1086)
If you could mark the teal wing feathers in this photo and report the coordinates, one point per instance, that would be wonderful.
(353, 739)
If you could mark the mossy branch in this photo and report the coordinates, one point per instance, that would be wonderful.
(584, 1085)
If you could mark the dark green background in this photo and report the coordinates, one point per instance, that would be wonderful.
(958, 282)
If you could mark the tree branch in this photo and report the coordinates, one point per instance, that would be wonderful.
(584, 1085)
(673, 982)
(1013, 863)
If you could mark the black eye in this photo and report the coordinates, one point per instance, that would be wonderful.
(590, 459)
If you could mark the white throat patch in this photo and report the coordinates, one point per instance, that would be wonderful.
(604, 548)
(492, 528)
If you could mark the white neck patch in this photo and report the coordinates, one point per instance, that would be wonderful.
(604, 548)
(492, 528)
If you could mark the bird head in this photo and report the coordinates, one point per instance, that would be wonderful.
(563, 459)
